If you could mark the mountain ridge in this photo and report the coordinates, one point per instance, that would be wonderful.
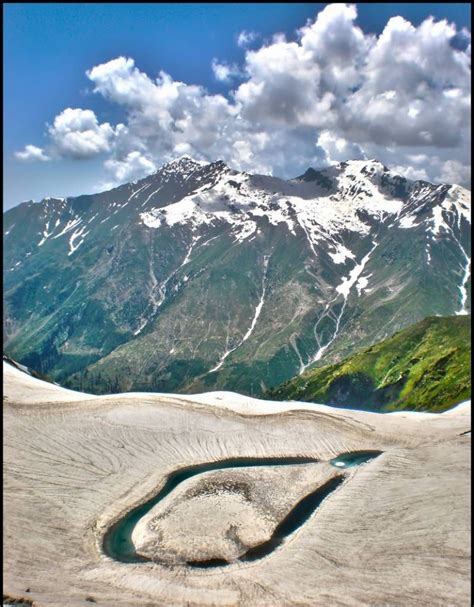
(127, 283)
(189, 160)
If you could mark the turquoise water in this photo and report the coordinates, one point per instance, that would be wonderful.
(118, 539)
(118, 543)
(348, 460)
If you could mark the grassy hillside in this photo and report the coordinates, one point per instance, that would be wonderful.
(425, 367)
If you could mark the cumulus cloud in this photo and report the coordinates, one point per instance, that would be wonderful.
(284, 88)
(133, 166)
(225, 72)
(245, 38)
(120, 81)
(415, 90)
(410, 172)
(453, 171)
(76, 133)
(332, 93)
(339, 149)
(31, 153)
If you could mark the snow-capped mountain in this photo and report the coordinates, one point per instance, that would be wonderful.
(200, 277)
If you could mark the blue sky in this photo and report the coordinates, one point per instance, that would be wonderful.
(49, 48)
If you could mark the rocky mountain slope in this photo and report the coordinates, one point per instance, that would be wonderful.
(425, 367)
(199, 277)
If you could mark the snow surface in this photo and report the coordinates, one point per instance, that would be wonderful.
(234, 199)
(71, 224)
(35, 391)
(362, 283)
(342, 253)
(408, 222)
(349, 281)
(79, 235)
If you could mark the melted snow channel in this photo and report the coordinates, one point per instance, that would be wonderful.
(462, 287)
(162, 288)
(258, 309)
(458, 206)
(344, 289)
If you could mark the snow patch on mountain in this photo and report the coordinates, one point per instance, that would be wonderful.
(409, 221)
(245, 230)
(342, 253)
(70, 225)
(46, 234)
(235, 199)
(348, 282)
(362, 283)
(78, 234)
(428, 254)
(152, 194)
(466, 274)
(140, 189)
(258, 309)
(355, 278)
(462, 287)
(438, 221)
(460, 202)
(456, 205)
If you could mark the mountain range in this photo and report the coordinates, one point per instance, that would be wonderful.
(200, 277)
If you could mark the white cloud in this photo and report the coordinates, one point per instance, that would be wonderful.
(245, 38)
(339, 149)
(76, 133)
(431, 82)
(121, 82)
(133, 166)
(32, 153)
(453, 171)
(410, 172)
(333, 93)
(284, 88)
(225, 72)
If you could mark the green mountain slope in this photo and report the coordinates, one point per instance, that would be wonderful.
(424, 367)
(199, 277)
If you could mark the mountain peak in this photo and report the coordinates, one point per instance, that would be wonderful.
(184, 160)
(364, 166)
(183, 165)
(371, 164)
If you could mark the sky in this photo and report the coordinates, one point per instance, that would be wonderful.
(96, 95)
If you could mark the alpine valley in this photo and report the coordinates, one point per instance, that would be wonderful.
(200, 277)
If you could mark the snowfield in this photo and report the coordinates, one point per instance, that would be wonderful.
(75, 464)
